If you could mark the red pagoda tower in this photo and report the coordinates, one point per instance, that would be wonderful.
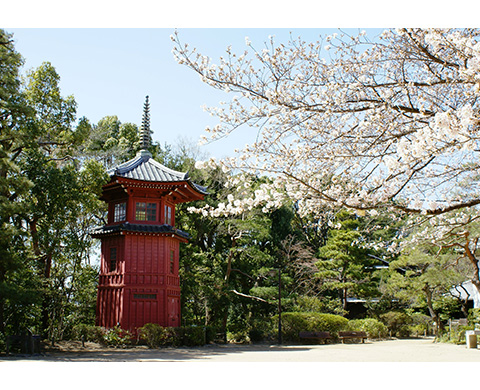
(139, 280)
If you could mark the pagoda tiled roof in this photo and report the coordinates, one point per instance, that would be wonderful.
(144, 167)
(141, 228)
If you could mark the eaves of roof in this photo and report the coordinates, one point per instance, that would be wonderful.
(140, 228)
(143, 167)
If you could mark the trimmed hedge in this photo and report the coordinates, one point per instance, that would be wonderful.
(192, 335)
(156, 336)
(295, 322)
(374, 328)
(397, 323)
(153, 335)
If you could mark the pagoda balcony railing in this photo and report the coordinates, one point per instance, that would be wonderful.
(139, 278)
(111, 279)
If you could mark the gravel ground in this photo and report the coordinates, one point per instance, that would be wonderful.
(409, 350)
(392, 364)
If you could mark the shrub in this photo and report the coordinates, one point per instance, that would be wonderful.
(192, 335)
(239, 337)
(154, 335)
(117, 337)
(474, 316)
(89, 333)
(421, 324)
(3, 343)
(373, 328)
(295, 322)
(397, 323)
(210, 334)
(262, 330)
(255, 335)
(457, 335)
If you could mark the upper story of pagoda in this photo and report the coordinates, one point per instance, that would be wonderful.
(142, 193)
(141, 190)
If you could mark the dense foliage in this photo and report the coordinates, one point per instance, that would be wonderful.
(252, 252)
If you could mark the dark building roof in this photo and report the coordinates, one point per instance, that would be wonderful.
(144, 167)
(130, 227)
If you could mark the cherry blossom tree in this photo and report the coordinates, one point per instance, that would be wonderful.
(458, 231)
(350, 121)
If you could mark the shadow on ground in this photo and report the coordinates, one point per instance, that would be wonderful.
(143, 354)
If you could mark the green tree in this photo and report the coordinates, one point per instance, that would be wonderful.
(16, 127)
(422, 279)
(458, 231)
(227, 278)
(110, 141)
(64, 202)
(55, 211)
(344, 263)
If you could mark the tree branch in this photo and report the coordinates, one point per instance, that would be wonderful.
(251, 297)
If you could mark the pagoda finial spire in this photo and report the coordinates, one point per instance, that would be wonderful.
(145, 138)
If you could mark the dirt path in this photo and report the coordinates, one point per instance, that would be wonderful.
(411, 350)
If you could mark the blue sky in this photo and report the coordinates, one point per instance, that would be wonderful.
(111, 69)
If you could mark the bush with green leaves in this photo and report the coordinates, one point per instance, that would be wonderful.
(3, 344)
(192, 335)
(117, 337)
(455, 334)
(398, 323)
(474, 316)
(154, 335)
(421, 324)
(210, 334)
(88, 333)
(239, 337)
(295, 322)
(260, 330)
(373, 327)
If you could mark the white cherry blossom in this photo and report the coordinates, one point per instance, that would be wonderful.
(382, 122)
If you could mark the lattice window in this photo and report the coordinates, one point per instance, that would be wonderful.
(146, 211)
(120, 212)
(168, 215)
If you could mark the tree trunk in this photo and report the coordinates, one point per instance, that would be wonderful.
(344, 299)
(474, 261)
(34, 234)
(227, 277)
(207, 312)
(45, 266)
(464, 302)
(2, 304)
(2, 309)
(433, 313)
(476, 277)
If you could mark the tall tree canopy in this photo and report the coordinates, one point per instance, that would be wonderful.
(15, 126)
(48, 201)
